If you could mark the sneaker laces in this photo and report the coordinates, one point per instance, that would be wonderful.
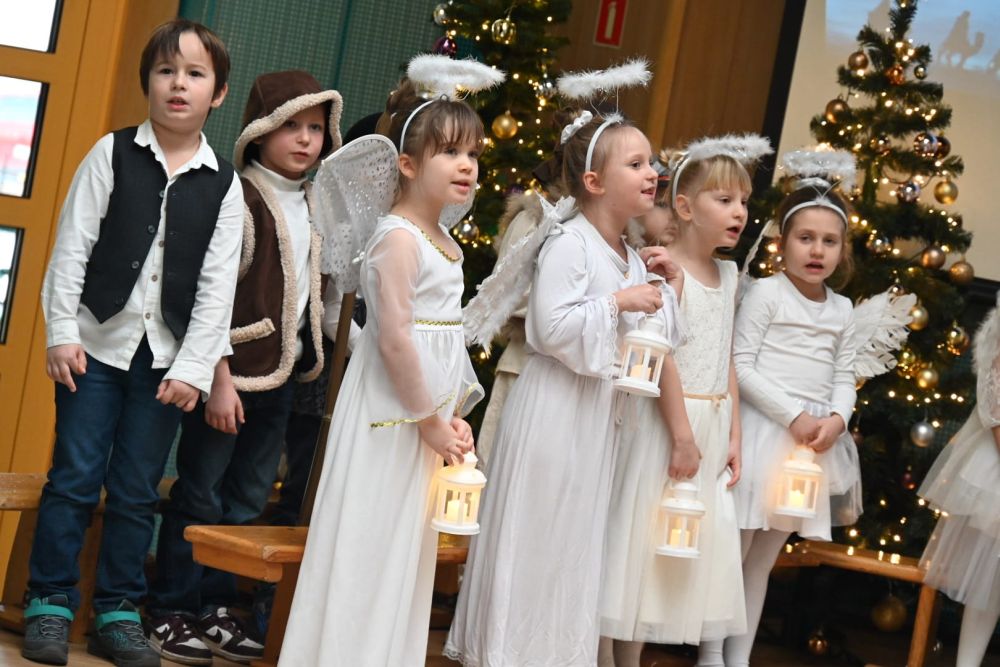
(51, 627)
(178, 628)
(132, 631)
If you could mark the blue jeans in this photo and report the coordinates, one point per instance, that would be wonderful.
(221, 479)
(111, 432)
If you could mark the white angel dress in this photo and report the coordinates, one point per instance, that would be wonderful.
(652, 598)
(363, 597)
(962, 558)
(793, 354)
(530, 592)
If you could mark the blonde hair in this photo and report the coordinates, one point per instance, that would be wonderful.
(714, 173)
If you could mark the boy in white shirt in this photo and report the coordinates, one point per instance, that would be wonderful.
(137, 299)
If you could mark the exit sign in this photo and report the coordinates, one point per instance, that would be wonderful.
(610, 23)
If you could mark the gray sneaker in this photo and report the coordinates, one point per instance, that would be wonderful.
(225, 636)
(46, 630)
(119, 638)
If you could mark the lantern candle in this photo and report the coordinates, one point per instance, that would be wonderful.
(800, 484)
(454, 510)
(456, 505)
(679, 522)
(642, 360)
(638, 372)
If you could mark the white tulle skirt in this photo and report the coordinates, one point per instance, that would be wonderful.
(962, 558)
(646, 597)
(766, 447)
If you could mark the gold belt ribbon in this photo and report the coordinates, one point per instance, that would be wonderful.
(716, 399)
(439, 323)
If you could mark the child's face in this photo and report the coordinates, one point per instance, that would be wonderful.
(627, 179)
(812, 245)
(716, 216)
(181, 88)
(447, 177)
(655, 223)
(293, 148)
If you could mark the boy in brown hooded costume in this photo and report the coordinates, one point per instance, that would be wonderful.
(230, 446)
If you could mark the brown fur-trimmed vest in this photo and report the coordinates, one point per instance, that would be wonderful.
(265, 321)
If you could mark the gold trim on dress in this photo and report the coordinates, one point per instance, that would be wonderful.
(413, 420)
(444, 253)
(439, 323)
(716, 399)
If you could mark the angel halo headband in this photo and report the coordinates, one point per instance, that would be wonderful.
(822, 170)
(585, 85)
(744, 148)
(445, 79)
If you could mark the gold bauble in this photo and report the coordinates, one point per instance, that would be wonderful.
(836, 110)
(880, 245)
(920, 72)
(896, 75)
(944, 147)
(504, 31)
(933, 258)
(466, 232)
(907, 361)
(946, 192)
(441, 14)
(957, 340)
(889, 615)
(857, 60)
(961, 272)
(504, 126)
(818, 644)
(918, 317)
(927, 378)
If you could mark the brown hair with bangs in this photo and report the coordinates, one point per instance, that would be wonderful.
(809, 193)
(437, 127)
(574, 164)
(165, 43)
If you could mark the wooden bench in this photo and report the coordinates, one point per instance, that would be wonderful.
(22, 492)
(891, 566)
(274, 554)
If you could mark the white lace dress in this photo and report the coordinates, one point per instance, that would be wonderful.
(530, 592)
(646, 597)
(363, 597)
(794, 354)
(962, 558)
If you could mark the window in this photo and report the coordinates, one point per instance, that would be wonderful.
(30, 25)
(10, 246)
(21, 105)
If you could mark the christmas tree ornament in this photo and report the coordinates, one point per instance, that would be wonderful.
(818, 644)
(944, 147)
(961, 272)
(946, 192)
(446, 46)
(927, 377)
(957, 340)
(889, 615)
(908, 192)
(858, 436)
(881, 144)
(858, 60)
(646, 347)
(798, 487)
(466, 232)
(922, 434)
(920, 72)
(504, 31)
(504, 126)
(836, 110)
(907, 361)
(896, 75)
(456, 507)
(679, 521)
(932, 258)
(925, 144)
(919, 317)
(897, 290)
(441, 14)
(878, 244)
(907, 480)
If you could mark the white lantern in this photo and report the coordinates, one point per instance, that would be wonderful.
(642, 362)
(679, 523)
(456, 507)
(800, 483)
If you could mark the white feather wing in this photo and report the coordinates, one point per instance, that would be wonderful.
(879, 330)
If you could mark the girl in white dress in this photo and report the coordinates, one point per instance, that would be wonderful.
(530, 591)
(691, 431)
(962, 558)
(363, 597)
(795, 354)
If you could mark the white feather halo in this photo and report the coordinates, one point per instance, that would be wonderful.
(585, 85)
(438, 75)
(834, 167)
(744, 148)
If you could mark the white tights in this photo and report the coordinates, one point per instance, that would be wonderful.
(760, 551)
(977, 628)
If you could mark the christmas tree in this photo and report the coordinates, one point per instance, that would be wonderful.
(515, 36)
(891, 117)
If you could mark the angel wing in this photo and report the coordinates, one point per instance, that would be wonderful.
(353, 187)
(879, 330)
(498, 296)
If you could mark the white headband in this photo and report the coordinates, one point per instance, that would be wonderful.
(402, 135)
(821, 202)
(613, 119)
(746, 149)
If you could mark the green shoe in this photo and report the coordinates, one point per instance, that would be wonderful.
(46, 630)
(119, 638)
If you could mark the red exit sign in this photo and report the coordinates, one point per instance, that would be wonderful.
(610, 23)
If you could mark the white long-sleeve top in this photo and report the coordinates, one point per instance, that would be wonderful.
(114, 342)
(787, 347)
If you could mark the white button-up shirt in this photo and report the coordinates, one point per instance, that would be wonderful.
(114, 342)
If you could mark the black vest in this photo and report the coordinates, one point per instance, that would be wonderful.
(133, 217)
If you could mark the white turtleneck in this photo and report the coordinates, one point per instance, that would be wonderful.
(292, 199)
